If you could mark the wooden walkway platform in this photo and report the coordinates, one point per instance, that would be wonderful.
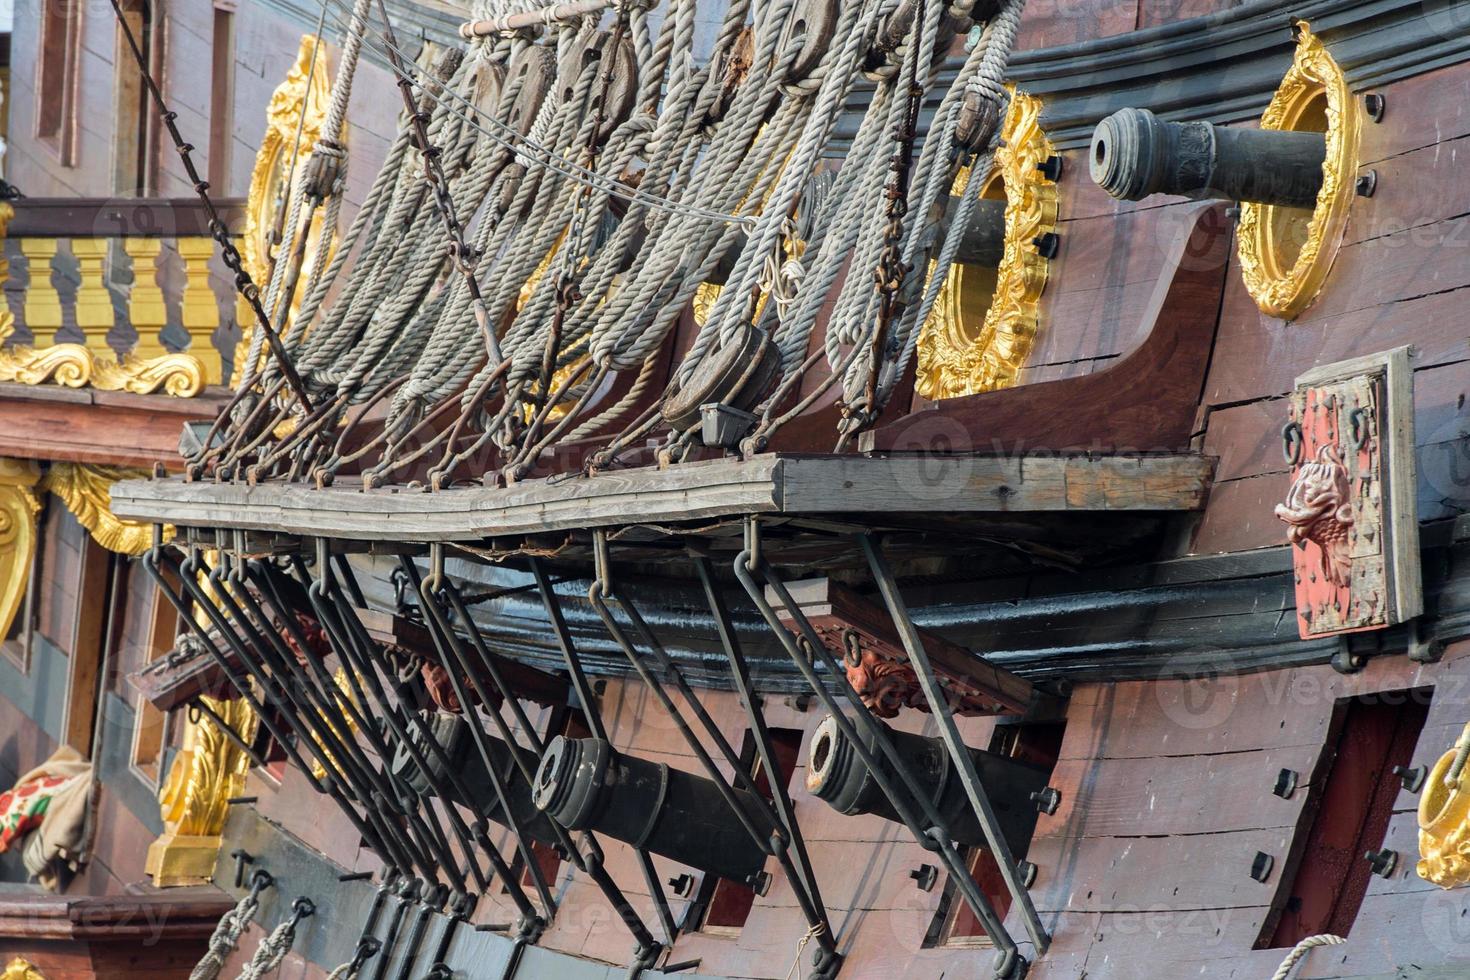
(781, 485)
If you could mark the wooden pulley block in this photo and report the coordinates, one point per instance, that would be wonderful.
(534, 69)
(979, 118)
(896, 27)
(738, 374)
(622, 88)
(811, 29)
(734, 65)
(486, 82)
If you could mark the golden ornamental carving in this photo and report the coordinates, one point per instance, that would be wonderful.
(1286, 253)
(345, 696)
(87, 492)
(18, 511)
(1444, 822)
(296, 104)
(956, 354)
(21, 969)
(206, 774)
(76, 366)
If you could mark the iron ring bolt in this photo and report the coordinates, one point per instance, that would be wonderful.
(1291, 442)
(1358, 428)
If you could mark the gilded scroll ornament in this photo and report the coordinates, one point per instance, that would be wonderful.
(18, 511)
(957, 355)
(87, 492)
(299, 104)
(209, 771)
(1286, 253)
(20, 969)
(76, 366)
(1444, 820)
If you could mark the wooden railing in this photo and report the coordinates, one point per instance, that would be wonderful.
(77, 254)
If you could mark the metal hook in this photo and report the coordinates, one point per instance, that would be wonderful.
(436, 566)
(601, 560)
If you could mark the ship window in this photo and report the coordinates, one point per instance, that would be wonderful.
(222, 99)
(56, 77)
(726, 903)
(954, 923)
(151, 726)
(1346, 815)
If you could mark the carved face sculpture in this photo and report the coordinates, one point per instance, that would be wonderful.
(1319, 509)
(885, 686)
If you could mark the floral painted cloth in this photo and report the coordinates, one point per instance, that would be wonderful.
(23, 808)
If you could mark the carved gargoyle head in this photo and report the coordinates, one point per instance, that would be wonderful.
(1319, 508)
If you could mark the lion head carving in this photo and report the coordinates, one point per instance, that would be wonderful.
(1319, 509)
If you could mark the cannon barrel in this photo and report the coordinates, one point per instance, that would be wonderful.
(837, 774)
(451, 732)
(1136, 154)
(586, 784)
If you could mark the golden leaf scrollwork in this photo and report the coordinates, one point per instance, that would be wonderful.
(957, 356)
(206, 774)
(1286, 253)
(74, 366)
(87, 492)
(300, 102)
(18, 511)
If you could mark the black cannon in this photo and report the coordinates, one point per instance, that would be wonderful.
(837, 774)
(586, 784)
(464, 761)
(1136, 154)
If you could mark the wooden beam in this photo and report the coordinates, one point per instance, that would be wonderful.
(1145, 402)
(168, 217)
(526, 681)
(842, 616)
(772, 484)
(99, 427)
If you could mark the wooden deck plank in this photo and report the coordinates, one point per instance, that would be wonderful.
(722, 488)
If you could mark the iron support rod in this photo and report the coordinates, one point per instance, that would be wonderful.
(740, 672)
(935, 837)
(454, 661)
(365, 826)
(959, 754)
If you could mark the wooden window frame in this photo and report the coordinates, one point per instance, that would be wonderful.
(92, 628)
(163, 627)
(63, 141)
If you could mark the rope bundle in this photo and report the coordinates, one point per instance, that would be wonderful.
(710, 173)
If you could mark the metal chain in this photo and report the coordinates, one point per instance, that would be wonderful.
(229, 254)
(464, 256)
(892, 270)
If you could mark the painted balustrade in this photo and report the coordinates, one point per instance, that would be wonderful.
(77, 255)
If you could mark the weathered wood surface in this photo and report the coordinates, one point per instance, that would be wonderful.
(765, 485)
(1144, 401)
(100, 427)
(832, 608)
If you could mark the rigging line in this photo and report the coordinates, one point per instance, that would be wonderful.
(229, 254)
(316, 50)
(538, 154)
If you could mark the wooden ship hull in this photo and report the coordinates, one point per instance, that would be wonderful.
(736, 491)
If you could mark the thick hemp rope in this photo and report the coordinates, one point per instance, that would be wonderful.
(1301, 949)
(232, 925)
